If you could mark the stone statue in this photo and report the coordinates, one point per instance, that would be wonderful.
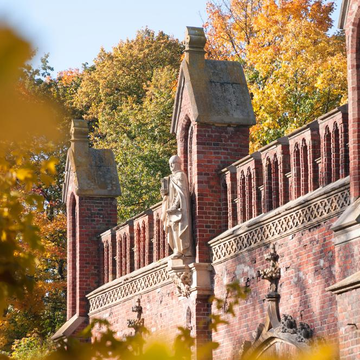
(176, 209)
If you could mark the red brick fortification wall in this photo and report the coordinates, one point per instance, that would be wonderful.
(95, 216)
(352, 28)
(214, 148)
(349, 319)
(307, 261)
(347, 259)
(163, 312)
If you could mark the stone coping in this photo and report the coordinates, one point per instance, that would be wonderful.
(296, 215)
(345, 285)
(69, 327)
(140, 281)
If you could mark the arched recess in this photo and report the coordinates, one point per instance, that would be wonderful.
(275, 183)
(143, 250)
(183, 143)
(268, 186)
(296, 172)
(125, 262)
(119, 256)
(335, 152)
(242, 199)
(327, 157)
(157, 241)
(72, 256)
(190, 167)
(137, 247)
(304, 168)
(249, 194)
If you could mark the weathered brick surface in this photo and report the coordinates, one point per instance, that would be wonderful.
(87, 219)
(349, 319)
(353, 62)
(229, 188)
(307, 267)
(163, 312)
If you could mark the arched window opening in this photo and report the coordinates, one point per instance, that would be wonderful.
(275, 183)
(296, 172)
(335, 153)
(268, 186)
(304, 168)
(327, 174)
(249, 194)
(242, 198)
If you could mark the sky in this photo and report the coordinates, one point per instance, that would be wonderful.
(73, 31)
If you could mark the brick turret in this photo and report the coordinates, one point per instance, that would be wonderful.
(211, 119)
(90, 190)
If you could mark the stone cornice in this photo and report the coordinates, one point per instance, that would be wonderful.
(297, 215)
(345, 285)
(138, 282)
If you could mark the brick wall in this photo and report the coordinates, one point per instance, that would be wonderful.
(87, 218)
(349, 320)
(162, 312)
(353, 62)
(307, 262)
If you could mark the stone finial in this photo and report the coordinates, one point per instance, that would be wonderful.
(138, 323)
(273, 272)
(79, 137)
(195, 41)
(79, 130)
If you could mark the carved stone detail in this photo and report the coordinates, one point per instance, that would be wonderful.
(273, 272)
(276, 329)
(288, 324)
(183, 281)
(128, 286)
(137, 323)
(282, 224)
(181, 275)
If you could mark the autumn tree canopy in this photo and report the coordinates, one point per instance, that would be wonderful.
(295, 70)
(127, 97)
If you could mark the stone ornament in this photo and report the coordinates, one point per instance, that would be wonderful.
(137, 323)
(176, 210)
(280, 333)
(182, 281)
(273, 272)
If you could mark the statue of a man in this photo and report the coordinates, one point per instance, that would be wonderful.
(176, 209)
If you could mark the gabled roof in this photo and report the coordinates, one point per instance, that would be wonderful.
(217, 90)
(94, 171)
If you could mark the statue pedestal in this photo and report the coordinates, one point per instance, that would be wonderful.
(190, 277)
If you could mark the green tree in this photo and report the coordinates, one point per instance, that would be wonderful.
(128, 96)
